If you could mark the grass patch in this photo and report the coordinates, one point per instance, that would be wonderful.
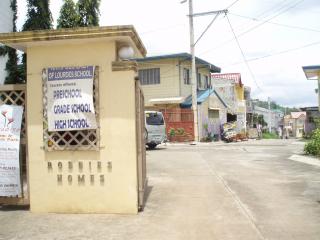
(270, 136)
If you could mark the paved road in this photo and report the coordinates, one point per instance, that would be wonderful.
(252, 190)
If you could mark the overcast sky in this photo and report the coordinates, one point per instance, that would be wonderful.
(278, 37)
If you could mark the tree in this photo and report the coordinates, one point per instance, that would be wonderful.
(88, 12)
(38, 15)
(69, 18)
(14, 75)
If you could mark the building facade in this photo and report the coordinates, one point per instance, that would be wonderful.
(312, 117)
(230, 87)
(294, 124)
(166, 83)
(6, 25)
(273, 117)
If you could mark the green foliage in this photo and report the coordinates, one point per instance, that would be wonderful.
(14, 75)
(313, 147)
(38, 15)
(259, 119)
(89, 12)
(270, 136)
(69, 17)
(172, 132)
(176, 132)
(180, 131)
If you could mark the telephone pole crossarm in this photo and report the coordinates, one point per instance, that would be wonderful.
(225, 11)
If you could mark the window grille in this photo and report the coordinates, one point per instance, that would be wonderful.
(149, 76)
(186, 76)
(213, 114)
(71, 140)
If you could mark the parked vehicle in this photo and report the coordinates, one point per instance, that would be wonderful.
(156, 128)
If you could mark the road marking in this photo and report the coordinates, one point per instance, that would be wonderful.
(305, 159)
(298, 143)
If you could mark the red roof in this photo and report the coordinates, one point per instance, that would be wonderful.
(236, 77)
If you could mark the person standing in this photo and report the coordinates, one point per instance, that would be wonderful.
(259, 128)
(280, 132)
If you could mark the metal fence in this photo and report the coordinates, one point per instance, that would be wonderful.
(179, 124)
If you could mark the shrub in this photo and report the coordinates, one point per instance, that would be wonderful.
(269, 136)
(172, 132)
(313, 147)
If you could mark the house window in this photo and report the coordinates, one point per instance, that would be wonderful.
(213, 114)
(206, 82)
(186, 76)
(311, 119)
(149, 76)
(199, 80)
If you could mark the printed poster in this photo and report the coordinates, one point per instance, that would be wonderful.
(70, 98)
(10, 128)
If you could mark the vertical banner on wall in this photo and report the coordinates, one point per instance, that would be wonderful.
(70, 98)
(10, 128)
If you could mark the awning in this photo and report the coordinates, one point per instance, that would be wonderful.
(167, 100)
(312, 72)
(202, 95)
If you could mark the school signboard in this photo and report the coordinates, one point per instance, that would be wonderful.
(10, 128)
(70, 98)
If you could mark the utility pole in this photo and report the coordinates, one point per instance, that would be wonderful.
(269, 105)
(193, 75)
(193, 61)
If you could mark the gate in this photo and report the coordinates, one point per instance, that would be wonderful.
(141, 146)
(179, 124)
(15, 94)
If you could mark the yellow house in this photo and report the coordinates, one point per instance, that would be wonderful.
(166, 83)
(84, 171)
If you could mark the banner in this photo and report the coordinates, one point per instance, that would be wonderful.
(10, 128)
(70, 98)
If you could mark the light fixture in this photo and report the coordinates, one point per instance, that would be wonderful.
(125, 52)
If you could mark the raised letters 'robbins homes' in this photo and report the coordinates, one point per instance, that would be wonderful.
(166, 83)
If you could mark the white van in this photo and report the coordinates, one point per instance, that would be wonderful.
(156, 128)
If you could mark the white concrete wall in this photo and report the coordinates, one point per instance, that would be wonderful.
(5, 26)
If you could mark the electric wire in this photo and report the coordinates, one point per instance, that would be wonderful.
(232, 4)
(278, 53)
(243, 55)
(253, 28)
(276, 23)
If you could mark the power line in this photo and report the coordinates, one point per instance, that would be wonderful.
(243, 55)
(264, 12)
(278, 53)
(232, 4)
(278, 24)
(254, 27)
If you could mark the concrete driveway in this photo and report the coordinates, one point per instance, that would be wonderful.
(251, 190)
